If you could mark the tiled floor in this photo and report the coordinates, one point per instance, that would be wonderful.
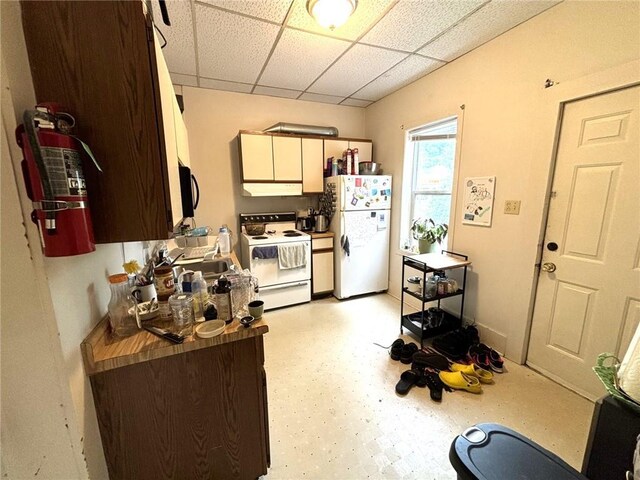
(334, 412)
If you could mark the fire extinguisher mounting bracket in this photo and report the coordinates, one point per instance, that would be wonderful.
(57, 205)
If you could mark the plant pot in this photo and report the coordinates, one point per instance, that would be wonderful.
(425, 247)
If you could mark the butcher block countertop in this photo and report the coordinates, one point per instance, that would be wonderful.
(101, 351)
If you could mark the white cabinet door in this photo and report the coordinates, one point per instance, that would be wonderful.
(287, 159)
(256, 156)
(167, 97)
(365, 150)
(334, 148)
(312, 165)
(182, 137)
(322, 272)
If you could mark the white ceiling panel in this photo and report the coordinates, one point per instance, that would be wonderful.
(299, 58)
(276, 92)
(354, 102)
(314, 97)
(411, 23)
(272, 10)
(487, 23)
(356, 68)
(402, 74)
(228, 86)
(232, 47)
(179, 52)
(179, 79)
(367, 12)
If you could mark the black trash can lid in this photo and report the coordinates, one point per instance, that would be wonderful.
(489, 451)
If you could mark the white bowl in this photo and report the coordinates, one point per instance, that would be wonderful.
(210, 328)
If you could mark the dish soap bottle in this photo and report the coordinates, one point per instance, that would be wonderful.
(224, 240)
(223, 299)
(200, 295)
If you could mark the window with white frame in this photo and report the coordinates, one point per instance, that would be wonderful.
(431, 149)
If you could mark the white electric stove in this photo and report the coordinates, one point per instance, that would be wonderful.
(278, 287)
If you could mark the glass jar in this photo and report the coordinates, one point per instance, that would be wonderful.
(182, 310)
(431, 287)
(122, 306)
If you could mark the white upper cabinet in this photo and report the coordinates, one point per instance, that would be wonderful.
(334, 148)
(257, 157)
(167, 99)
(287, 159)
(312, 165)
(182, 137)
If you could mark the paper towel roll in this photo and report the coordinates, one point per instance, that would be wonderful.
(629, 372)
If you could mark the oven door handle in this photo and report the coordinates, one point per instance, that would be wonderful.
(282, 287)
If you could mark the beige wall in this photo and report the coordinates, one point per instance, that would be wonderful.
(500, 85)
(213, 119)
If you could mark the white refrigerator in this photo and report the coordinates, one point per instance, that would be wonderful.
(361, 226)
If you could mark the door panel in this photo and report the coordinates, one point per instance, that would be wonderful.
(287, 159)
(312, 165)
(590, 304)
(257, 157)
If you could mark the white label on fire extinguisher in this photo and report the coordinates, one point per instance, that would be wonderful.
(65, 171)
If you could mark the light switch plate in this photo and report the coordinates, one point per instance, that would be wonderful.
(512, 207)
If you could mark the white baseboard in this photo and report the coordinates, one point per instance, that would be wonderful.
(496, 340)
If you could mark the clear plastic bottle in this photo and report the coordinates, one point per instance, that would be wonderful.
(200, 295)
(122, 306)
(224, 240)
(182, 310)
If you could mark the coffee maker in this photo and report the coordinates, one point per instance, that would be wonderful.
(304, 220)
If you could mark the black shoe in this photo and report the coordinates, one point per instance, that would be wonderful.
(396, 349)
(435, 386)
(407, 352)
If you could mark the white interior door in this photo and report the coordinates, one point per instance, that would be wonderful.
(591, 303)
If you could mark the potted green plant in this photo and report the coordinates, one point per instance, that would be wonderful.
(427, 232)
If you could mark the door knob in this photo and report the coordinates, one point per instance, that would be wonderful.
(549, 267)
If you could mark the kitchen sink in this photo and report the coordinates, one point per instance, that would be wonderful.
(211, 269)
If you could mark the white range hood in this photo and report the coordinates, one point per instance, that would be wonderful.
(271, 189)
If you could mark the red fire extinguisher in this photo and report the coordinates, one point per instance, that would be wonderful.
(52, 170)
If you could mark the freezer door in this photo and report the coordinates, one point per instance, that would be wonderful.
(365, 192)
(366, 268)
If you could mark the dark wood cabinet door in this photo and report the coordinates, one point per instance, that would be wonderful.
(97, 60)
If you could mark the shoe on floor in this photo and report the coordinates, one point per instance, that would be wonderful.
(455, 344)
(494, 360)
(422, 359)
(406, 354)
(480, 357)
(461, 381)
(435, 386)
(408, 379)
(396, 349)
(473, 370)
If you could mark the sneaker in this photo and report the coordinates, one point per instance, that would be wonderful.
(435, 386)
(406, 354)
(396, 349)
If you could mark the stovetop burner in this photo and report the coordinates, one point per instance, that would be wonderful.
(293, 234)
(260, 237)
(288, 231)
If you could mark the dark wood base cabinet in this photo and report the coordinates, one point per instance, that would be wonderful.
(201, 414)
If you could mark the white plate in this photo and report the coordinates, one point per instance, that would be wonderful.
(143, 306)
(210, 328)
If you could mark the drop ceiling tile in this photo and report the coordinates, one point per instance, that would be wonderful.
(410, 23)
(365, 15)
(356, 68)
(354, 102)
(276, 92)
(179, 79)
(179, 52)
(285, 68)
(487, 23)
(272, 10)
(402, 74)
(232, 47)
(314, 97)
(228, 86)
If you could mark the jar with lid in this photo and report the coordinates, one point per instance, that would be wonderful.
(431, 286)
(163, 278)
(122, 307)
(443, 284)
(414, 284)
(182, 310)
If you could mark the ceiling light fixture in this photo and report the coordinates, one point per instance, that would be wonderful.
(331, 13)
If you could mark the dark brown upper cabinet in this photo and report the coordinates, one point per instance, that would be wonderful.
(101, 61)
